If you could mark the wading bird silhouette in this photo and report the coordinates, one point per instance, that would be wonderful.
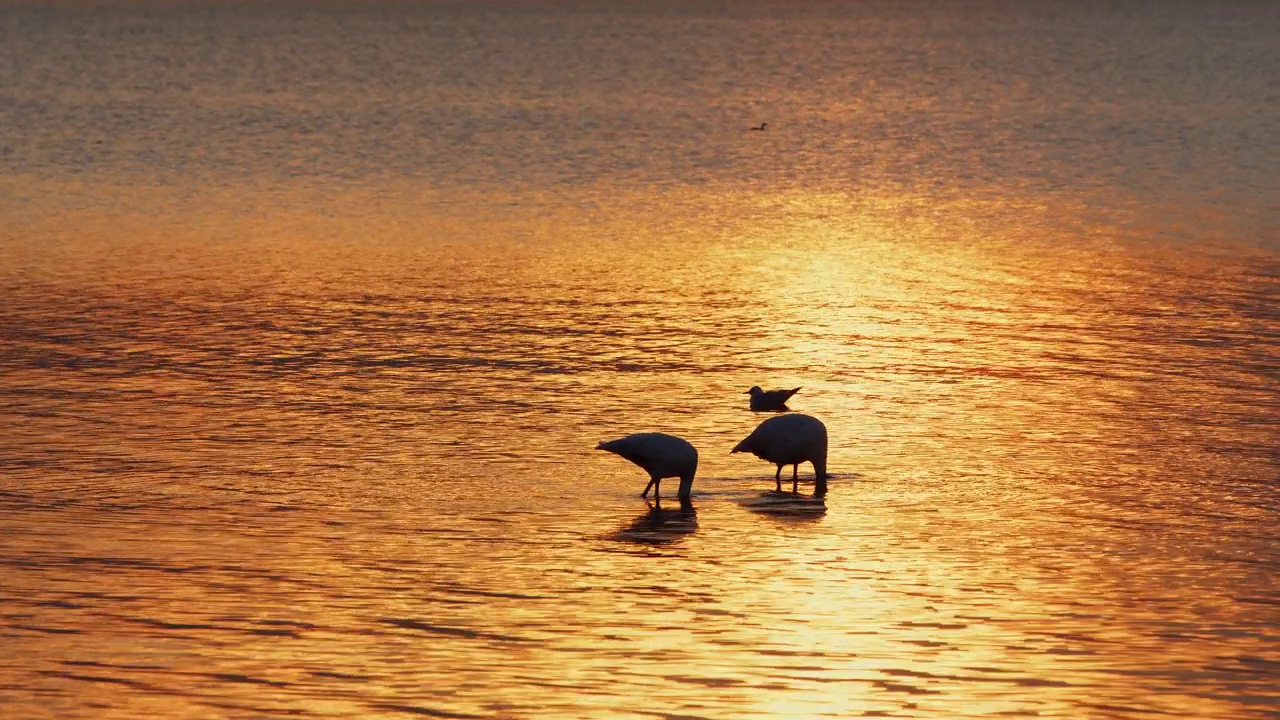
(660, 455)
(790, 440)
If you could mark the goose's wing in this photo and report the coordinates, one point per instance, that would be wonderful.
(653, 451)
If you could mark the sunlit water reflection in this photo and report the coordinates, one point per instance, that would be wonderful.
(326, 448)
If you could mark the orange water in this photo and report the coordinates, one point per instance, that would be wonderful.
(302, 364)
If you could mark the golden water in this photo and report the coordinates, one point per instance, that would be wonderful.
(283, 441)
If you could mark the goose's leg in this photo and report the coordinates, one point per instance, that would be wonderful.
(777, 478)
(653, 483)
(795, 477)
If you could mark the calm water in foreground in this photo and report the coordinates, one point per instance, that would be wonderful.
(312, 316)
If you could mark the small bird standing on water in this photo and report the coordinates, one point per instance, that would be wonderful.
(790, 440)
(660, 455)
(771, 400)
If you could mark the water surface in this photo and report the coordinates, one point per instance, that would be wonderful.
(313, 314)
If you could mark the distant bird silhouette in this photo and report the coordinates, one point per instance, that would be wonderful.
(771, 400)
(790, 440)
(660, 455)
(762, 126)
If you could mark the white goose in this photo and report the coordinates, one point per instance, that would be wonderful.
(790, 440)
(660, 455)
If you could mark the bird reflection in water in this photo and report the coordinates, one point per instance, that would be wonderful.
(788, 505)
(660, 526)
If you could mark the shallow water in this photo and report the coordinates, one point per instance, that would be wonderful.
(313, 317)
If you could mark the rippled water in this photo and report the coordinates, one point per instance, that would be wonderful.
(313, 316)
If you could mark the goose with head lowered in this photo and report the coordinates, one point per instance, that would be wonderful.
(770, 400)
(660, 455)
(790, 440)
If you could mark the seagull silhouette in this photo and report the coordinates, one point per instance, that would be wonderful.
(770, 400)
